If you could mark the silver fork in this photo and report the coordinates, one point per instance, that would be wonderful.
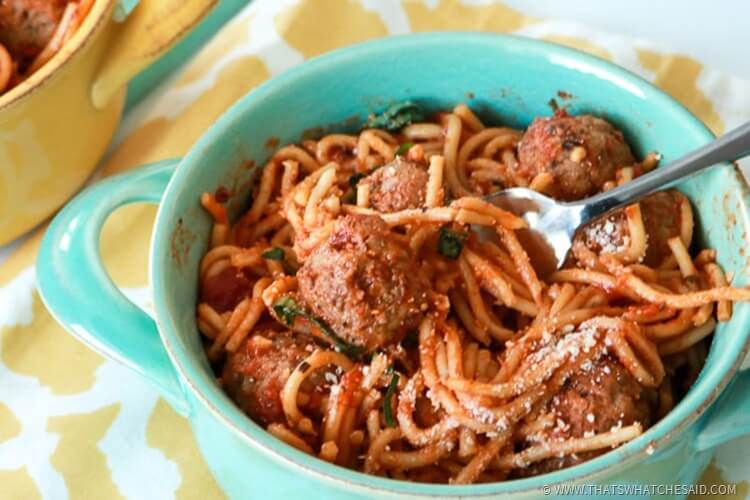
(552, 224)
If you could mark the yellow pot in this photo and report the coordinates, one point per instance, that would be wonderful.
(55, 126)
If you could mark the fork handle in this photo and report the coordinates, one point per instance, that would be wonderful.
(729, 147)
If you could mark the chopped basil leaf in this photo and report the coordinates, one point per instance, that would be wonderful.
(404, 148)
(354, 179)
(350, 350)
(288, 310)
(411, 340)
(397, 117)
(278, 255)
(350, 198)
(387, 407)
(450, 243)
(289, 269)
(275, 253)
(303, 367)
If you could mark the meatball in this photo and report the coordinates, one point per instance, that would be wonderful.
(362, 283)
(607, 235)
(399, 185)
(256, 372)
(225, 290)
(26, 26)
(580, 152)
(600, 396)
(596, 398)
(663, 215)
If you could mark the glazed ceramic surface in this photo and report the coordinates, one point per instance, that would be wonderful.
(56, 124)
(506, 80)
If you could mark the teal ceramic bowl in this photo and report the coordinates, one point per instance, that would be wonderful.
(506, 79)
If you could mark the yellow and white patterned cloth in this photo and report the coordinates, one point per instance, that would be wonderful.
(76, 425)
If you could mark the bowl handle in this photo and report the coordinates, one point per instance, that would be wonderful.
(729, 416)
(79, 293)
(150, 30)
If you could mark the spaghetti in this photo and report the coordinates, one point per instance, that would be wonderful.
(32, 32)
(354, 313)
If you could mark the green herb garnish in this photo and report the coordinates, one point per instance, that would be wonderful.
(275, 253)
(351, 350)
(287, 309)
(450, 243)
(350, 198)
(289, 269)
(404, 148)
(397, 117)
(411, 340)
(278, 255)
(387, 409)
(354, 179)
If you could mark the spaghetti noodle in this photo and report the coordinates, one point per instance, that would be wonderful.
(355, 314)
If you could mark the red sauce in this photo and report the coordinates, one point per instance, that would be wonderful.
(222, 194)
(225, 290)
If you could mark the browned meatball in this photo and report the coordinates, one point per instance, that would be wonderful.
(601, 396)
(399, 185)
(663, 215)
(596, 398)
(607, 235)
(256, 372)
(580, 152)
(26, 26)
(663, 219)
(362, 282)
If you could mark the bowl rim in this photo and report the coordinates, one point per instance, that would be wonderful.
(94, 22)
(233, 419)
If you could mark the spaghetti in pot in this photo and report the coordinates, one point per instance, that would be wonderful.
(354, 313)
(32, 32)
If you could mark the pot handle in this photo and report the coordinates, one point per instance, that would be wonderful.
(79, 293)
(729, 416)
(153, 28)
